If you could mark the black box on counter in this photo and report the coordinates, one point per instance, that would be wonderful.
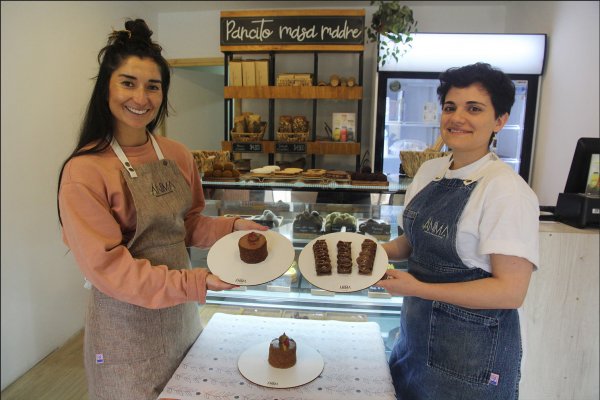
(578, 210)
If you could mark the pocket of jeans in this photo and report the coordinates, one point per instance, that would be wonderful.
(462, 343)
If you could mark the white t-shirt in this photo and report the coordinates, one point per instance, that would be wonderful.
(501, 216)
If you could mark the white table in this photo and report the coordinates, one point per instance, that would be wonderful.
(353, 353)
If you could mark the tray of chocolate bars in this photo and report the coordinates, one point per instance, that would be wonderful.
(343, 262)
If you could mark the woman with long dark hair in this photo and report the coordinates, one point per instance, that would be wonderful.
(130, 203)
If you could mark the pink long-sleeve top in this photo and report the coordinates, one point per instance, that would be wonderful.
(99, 218)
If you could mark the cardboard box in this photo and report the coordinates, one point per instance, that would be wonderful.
(248, 73)
(343, 127)
(262, 72)
(235, 73)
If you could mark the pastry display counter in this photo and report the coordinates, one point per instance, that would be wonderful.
(291, 295)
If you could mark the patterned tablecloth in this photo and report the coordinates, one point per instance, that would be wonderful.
(353, 353)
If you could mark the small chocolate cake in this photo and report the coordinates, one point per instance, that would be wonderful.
(344, 257)
(366, 257)
(322, 260)
(253, 248)
(282, 352)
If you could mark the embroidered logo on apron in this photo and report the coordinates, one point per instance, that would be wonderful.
(162, 188)
(435, 228)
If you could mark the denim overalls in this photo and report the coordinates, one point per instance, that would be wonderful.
(447, 352)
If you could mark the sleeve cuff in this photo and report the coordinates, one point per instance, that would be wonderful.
(197, 289)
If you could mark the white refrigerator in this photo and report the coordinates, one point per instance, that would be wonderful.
(407, 109)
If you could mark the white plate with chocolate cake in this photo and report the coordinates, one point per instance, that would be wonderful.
(343, 262)
(250, 257)
(257, 363)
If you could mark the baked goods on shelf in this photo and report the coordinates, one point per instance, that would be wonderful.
(314, 173)
(222, 171)
(376, 228)
(366, 257)
(253, 248)
(337, 175)
(321, 256)
(282, 352)
(266, 170)
(206, 158)
(344, 257)
(307, 224)
(369, 179)
(336, 220)
(268, 218)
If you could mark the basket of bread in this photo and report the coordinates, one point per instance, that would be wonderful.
(411, 160)
(293, 129)
(248, 127)
(205, 159)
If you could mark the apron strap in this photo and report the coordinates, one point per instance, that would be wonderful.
(125, 161)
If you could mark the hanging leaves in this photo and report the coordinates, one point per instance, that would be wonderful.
(395, 22)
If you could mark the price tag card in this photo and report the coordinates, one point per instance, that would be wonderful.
(247, 147)
(290, 147)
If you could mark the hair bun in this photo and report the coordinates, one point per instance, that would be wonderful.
(139, 29)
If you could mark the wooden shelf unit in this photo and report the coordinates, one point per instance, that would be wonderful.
(317, 147)
(293, 92)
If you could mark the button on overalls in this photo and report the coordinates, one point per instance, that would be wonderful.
(131, 352)
(447, 352)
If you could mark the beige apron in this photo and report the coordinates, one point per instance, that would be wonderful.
(131, 351)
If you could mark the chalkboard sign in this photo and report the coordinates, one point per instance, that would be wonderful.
(247, 147)
(298, 30)
(287, 147)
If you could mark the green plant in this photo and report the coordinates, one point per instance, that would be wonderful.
(394, 21)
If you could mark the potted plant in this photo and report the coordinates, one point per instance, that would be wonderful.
(394, 21)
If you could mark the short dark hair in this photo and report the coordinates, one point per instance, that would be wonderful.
(499, 86)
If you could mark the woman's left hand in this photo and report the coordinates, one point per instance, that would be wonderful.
(398, 283)
(242, 224)
(214, 283)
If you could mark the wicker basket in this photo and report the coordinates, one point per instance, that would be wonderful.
(250, 137)
(412, 160)
(292, 136)
(206, 159)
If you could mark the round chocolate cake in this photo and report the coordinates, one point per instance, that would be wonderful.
(253, 248)
(282, 352)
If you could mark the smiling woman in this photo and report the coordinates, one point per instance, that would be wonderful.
(130, 204)
(134, 98)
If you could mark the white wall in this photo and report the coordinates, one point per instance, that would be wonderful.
(49, 57)
(570, 89)
(49, 54)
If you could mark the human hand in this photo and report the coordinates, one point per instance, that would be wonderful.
(242, 224)
(213, 282)
(398, 283)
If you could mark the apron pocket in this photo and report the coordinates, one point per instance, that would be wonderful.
(123, 332)
(462, 343)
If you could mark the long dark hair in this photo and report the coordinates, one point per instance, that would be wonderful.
(97, 126)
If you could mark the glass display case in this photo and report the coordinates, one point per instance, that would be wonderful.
(291, 295)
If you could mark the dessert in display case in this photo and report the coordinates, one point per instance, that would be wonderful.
(290, 291)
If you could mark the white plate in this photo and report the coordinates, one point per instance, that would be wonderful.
(224, 259)
(342, 283)
(254, 366)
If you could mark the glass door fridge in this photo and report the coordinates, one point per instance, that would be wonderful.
(407, 106)
(408, 113)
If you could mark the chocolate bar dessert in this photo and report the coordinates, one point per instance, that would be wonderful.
(366, 257)
(344, 257)
(321, 254)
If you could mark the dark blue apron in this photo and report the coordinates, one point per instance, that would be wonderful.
(447, 352)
